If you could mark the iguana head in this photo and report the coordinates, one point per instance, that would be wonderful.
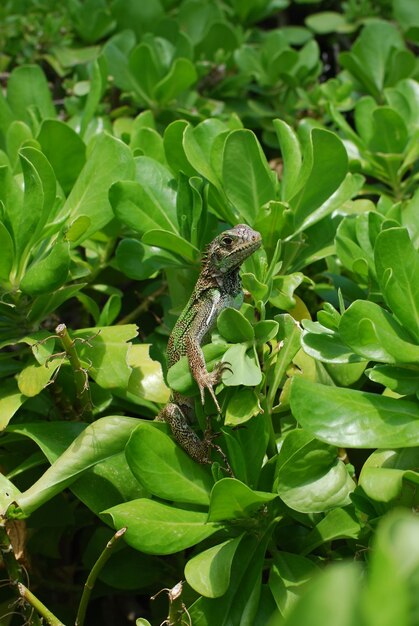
(231, 247)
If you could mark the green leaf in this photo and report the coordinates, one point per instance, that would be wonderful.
(242, 406)
(291, 156)
(389, 132)
(336, 524)
(402, 380)
(7, 253)
(197, 144)
(164, 469)
(48, 273)
(28, 87)
(331, 599)
(232, 499)
(245, 366)
(325, 22)
(288, 578)
(397, 264)
(326, 345)
(156, 528)
(209, 572)
(105, 352)
(383, 476)
(182, 74)
(370, 331)
(172, 243)
(67, 161)
(99, 441)
(234, 327)
(11, 399)
(354, 419)
(109, 160)
(247, 179)
(174, 150)
(390, 593)
(149, 203)
(283, 287)
(33, 378)
(324, 169)
(146, 380)
(309, 476)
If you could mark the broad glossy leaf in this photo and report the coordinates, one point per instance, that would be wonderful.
(241, 407)
(397, 264)
(242, 596)
(7, 253)
(245, 366)
(27, 86)
(291, 156)
(139, 261)
(171, 242)
(354, 419)
(164, 469)
(109, 160)
(64, 149)
(146, 379)
(232, 499)
(33, 378)
(390, 593)
(197, 144)
(402, 380)
(389, 131)
(371, 332)
(11, 399)
(48, 273)
(382, 476)
(247, 180)
(288, 578)
(331, 599)
(149, 203)
(324, 168)
(98, 442)
(209, 571)
(156, 528)
(283, 288)
(182, 74)
(336, 524)
(105, 352)
(310, 478)
(174, 150)
(234, 327)
(326, 345)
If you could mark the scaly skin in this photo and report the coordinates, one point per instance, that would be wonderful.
(218, 287)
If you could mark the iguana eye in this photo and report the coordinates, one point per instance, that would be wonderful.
(227, 241)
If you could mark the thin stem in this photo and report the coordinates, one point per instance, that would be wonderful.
(39, 606)
(81, 378)
(143, 306)
(91, 579)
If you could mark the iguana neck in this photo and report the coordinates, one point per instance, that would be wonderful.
(228, 283)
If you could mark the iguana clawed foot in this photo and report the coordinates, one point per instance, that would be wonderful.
(208, 380)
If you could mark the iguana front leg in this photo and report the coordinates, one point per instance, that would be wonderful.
(204, 378)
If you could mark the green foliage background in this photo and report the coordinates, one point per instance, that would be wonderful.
(131, 133)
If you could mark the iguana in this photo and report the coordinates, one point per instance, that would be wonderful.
(218, 287)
